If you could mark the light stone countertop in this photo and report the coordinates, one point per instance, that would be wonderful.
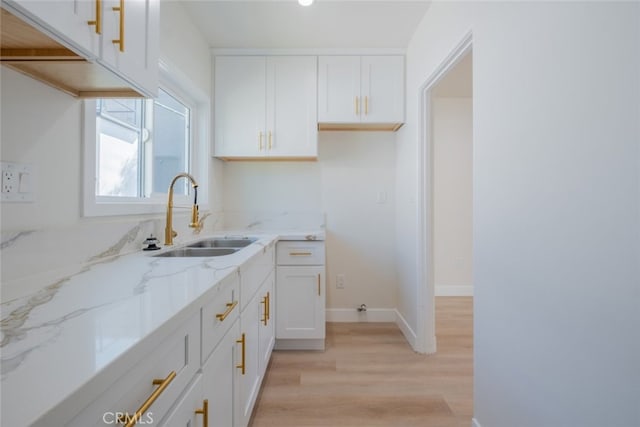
(58, 342)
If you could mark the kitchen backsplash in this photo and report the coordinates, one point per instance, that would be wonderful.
(32, 259)
(28, 256)
(274, 220)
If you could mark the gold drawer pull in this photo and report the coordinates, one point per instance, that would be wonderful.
(120, 40)
(268, 306)
(265, 301)
(131, 420)
(243, 342)
(357, 106)
(366, 105)
(98, 21)
(230, 307)
(205, 412)
(318, 284)
(300, 254)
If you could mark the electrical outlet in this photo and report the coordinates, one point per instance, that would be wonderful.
(17, 182)
(9, 184)
(340, 281)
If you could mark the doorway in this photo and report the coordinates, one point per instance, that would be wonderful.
(445, 193)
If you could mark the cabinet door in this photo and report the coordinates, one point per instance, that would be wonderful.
(138, 30)
(382, 89)
(249, 383)
(267, 322)
(300, 301)
(240, 111)
(339, 89)
(292, 129)
(68, 19)
(220, 376)
(187, 412)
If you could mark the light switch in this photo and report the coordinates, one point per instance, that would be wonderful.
(24, 182)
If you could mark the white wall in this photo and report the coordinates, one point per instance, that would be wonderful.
(353, 167)
(556, 206)
(452, 195)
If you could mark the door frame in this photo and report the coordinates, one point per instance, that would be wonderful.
(426, 326)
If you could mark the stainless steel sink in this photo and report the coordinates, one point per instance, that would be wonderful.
(220, 242)
(198, 252)
(216, 246)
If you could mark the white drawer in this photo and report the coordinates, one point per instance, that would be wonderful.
(219, 313)
(254, 272)
(179, 353)
(300, 253)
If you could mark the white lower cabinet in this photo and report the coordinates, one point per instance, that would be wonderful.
(301, 302)
(300, 296)
(249, 360)
(209, 370)
(257, 343)
(267, 331)
(190, 411)
(220, 376)
(233, 372)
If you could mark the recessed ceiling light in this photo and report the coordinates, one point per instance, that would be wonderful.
(305, 2)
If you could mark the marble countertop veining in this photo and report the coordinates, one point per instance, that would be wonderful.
(56, 340)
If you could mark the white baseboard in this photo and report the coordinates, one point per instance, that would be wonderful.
(408, 333)
(353, 315)
(299, 344)
(475, 423)
(443, 290)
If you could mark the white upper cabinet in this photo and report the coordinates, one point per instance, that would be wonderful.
(361, 92)
(130, 41)
(265, 107)
(115, 43)
(240, 106)
(292, 116)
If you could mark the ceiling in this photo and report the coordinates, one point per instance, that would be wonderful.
(326, 24)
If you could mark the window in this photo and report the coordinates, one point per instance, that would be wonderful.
(141, 145)
(134, 147)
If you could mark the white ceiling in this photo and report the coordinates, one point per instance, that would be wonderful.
(268, 24)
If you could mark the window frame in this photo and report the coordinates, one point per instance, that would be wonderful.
(177, 85)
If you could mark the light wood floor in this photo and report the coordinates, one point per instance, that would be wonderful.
(369, 376)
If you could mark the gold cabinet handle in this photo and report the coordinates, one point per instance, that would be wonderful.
(268, 306)
(131, 420)
(265, 301)
(260, 141)
(357, 105)
(98, 21)
(366, 105)
(300, 254)
(243, 342)
(270, 145)
(318, 284)
(230, 307)
(120, 40)
(205, 412)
